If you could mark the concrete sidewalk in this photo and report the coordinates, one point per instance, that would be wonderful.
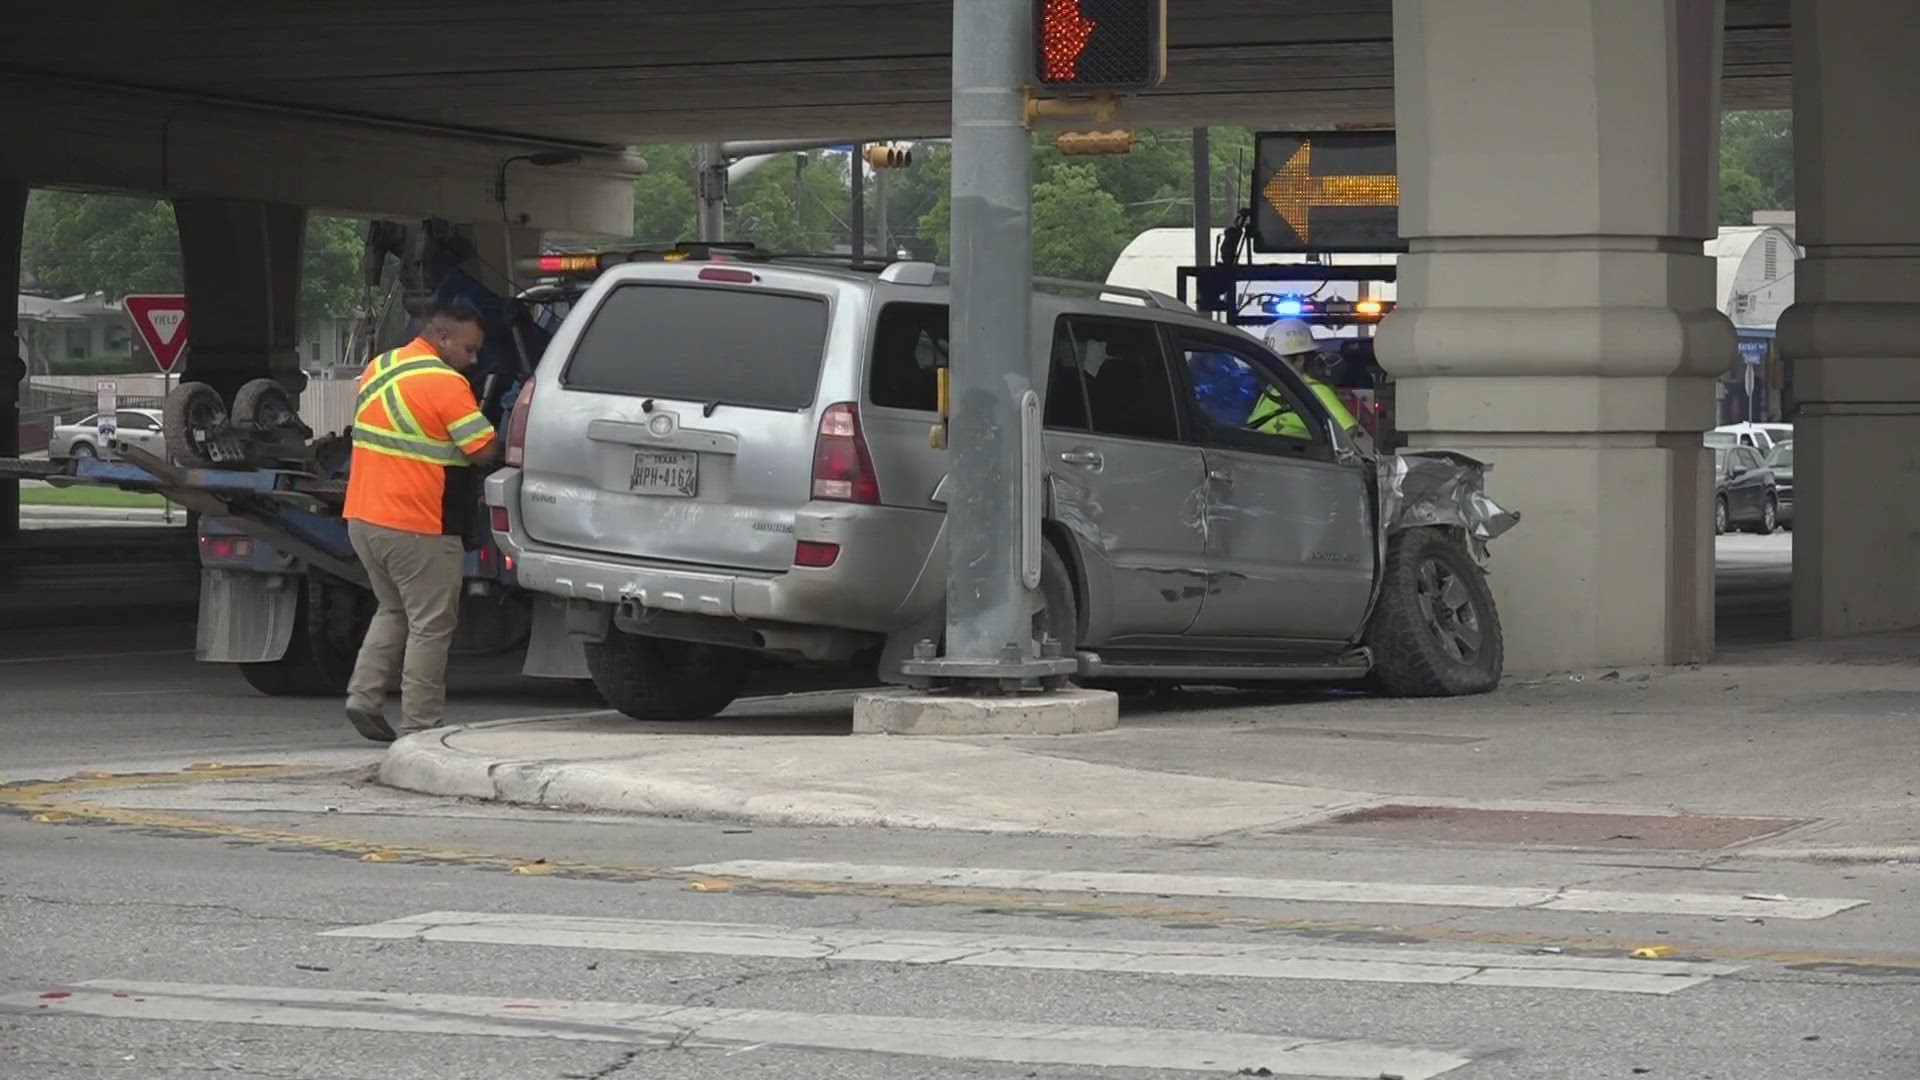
(1825, 736)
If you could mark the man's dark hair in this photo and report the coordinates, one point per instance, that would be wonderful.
(459, 311)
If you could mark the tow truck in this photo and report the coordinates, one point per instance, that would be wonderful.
(283, 597)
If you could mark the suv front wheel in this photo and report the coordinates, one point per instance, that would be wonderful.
(1435, 632)
(657, 679)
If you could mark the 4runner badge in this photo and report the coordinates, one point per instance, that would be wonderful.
(660, 425)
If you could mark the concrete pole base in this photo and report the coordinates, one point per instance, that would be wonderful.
(1071, 711)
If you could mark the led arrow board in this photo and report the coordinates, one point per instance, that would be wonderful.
(1329, 191)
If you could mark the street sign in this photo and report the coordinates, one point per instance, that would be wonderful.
(1093, 45)
(1326, 191)
(106, 413)
(1746, 377)
(161, 322)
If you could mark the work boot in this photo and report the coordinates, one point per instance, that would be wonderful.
(370, 724)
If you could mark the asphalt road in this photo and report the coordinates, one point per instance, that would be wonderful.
(301, 922)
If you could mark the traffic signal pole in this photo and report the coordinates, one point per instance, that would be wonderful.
(993, 539)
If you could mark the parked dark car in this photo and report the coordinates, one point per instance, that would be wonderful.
(1744, 495)
(1780, 461)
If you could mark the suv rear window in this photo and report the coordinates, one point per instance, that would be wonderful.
(741, 347)
(909, 344)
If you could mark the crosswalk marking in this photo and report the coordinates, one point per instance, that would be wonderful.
(626, 1022)
(1598, 901)
(1297, 960)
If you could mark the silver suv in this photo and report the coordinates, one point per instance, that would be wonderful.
(725, 464)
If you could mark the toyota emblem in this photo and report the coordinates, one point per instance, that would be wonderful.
(660, 425)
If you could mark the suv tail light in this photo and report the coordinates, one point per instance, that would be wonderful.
(517, 425)
(842, 467)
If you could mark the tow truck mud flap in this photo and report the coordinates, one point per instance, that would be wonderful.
(245, 617)
(552, 653)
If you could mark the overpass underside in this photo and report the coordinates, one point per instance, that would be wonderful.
(1559, 169)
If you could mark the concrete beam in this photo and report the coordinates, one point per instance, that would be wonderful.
(53, 136)
(13, 370)
(241, 261)
(1556, 315)
(1854, 330)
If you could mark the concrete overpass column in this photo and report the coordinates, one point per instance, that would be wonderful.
(1854, 332)
(496, 245)
(13, 369)
(1556, 314)
(241, 262)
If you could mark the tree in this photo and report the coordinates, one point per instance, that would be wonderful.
(1079, 227)
(75, 242)
(1756, 164)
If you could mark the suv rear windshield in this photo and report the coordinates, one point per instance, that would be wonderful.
(743, 347)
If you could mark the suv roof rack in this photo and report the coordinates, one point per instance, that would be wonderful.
(926, 273)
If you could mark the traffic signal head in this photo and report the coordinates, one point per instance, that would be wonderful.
(1099, 45)
(1094, 142)
(889, 156)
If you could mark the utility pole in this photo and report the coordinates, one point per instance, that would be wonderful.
(710, 190)
(993, 464)
(885, 242)
(857, 220)
(1202, 198)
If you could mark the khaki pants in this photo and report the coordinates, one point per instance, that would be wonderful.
(416, 578)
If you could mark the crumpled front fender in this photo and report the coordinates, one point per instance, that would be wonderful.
(1424, 488)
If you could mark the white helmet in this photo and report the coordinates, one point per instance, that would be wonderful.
(1290, 337)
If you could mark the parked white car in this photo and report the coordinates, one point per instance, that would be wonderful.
(1762, 437)
(81, 438)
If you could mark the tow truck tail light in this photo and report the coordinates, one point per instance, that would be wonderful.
(517, 426)
(842, 467)
(225, 550)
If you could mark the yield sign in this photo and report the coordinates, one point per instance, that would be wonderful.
(161, 322)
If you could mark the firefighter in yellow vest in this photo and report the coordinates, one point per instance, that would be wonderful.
(412, 496)
(1272, 414)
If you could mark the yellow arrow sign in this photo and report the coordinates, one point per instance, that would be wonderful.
(1293, 191)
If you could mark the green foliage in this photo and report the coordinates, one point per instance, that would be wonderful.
(75, 242)
(1756, 164)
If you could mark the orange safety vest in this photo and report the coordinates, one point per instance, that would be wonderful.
(415, 425)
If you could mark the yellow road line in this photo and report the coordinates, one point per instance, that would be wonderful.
(53, 799)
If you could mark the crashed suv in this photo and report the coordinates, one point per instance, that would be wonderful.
(722, 465)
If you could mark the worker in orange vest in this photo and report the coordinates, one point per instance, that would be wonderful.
(412, 494)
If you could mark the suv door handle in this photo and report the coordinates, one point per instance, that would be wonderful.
(1089, 459)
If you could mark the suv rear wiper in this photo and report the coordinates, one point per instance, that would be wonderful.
(707, 409)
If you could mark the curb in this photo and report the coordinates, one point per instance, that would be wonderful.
(424, 763)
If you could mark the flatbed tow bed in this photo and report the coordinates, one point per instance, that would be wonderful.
(283, 596)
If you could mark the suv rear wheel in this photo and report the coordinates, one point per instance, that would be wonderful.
(1435, 632)
(656, 679)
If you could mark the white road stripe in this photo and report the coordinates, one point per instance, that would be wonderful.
(625, 1022)
(1304, 891)
(1293, 960)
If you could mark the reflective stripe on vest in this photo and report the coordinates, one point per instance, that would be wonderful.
(401, 435)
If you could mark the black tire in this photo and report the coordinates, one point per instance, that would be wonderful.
(1059, 615)
(1769, 518)
(190, 417)
(656, 679)
(1722, 517)
(329, 621)
(1435, 632)
(82, 450)
(265, 403)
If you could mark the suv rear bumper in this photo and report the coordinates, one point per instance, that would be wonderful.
(889, 576)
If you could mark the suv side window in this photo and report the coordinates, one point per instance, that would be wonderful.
(1746, 457)
(909, 347)
(1123, 365)
(1237, 402)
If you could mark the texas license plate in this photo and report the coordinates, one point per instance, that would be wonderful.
(671, 473)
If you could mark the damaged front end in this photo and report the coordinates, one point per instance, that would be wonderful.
(1445, 488)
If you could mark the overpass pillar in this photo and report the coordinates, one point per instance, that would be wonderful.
(496, 245)
(241, 262)
(1556, 312)
(13, 369)
(1854, 331)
